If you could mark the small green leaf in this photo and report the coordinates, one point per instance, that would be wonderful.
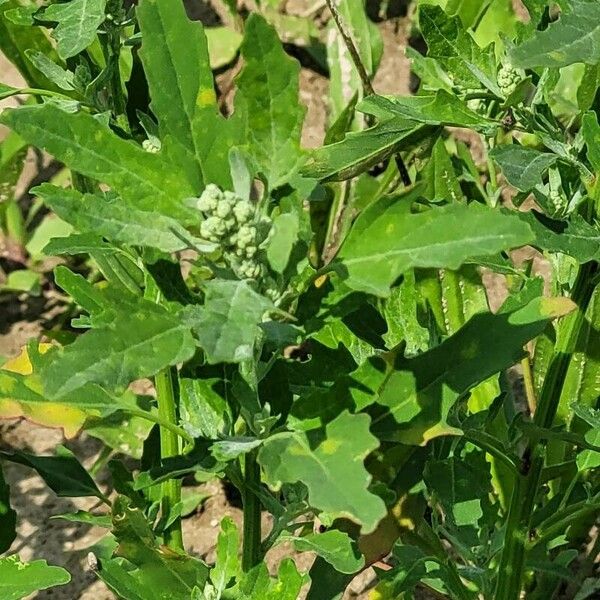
(118, 222)
(283, 238)
(574, 38)
(227, 324)
(78, 243)
(442, 183)
(19, 579)
(63, 473)
(55, 73)
(591, 134)
(335, 546)
(523, 167)
(330, 463)
(77, 21)
(223, 45)
(227, 565)
(387, 240)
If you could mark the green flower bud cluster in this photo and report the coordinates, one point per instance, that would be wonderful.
(233, 223)
(508, 79)
(152, 146)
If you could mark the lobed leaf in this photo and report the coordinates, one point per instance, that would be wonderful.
(387, 240)
(330, 463)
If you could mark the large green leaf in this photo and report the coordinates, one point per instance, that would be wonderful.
(8, 517)
(176, 62)
(227, 324)
(387, 239)
(19, 579)
(420, 392)
(455, 49)
(523, 167)
(575, 37)
(114, 220)
(136, 342)
(330, 463)
(144, 180)
(77, 22)
(267, 102)
(361, 150)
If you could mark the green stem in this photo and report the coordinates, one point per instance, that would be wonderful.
(512, 561)
(251, 542)
(169, 446)
(164, 423)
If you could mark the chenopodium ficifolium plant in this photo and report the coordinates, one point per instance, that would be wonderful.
(319, 337)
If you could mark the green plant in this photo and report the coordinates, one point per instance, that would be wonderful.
(319, 335)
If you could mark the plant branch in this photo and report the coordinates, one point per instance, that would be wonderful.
(169, 446)
(251, 554)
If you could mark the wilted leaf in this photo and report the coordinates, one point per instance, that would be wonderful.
(329, 463)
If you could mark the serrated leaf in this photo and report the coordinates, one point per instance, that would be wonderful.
(420, 391)
(575, 237)
(138, 342)
(144, 180)
(330, 463)
(361, 150)
(77, 21)
(335, 546)
(523, 167)
(448, 41)
(227, 325)
(118, 222)
(575, 37)
(63, 473)
(267, 102)
(387, 240)
(19, 579)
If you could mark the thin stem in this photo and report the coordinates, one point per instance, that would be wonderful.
(169, 446)
(518, 525)
(251, 542)
(356, 59)
(528, 381)
(164, 423)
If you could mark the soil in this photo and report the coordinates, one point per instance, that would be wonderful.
(63, 543)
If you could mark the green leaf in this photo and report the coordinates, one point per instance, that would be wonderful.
(77, 21)
(227, 565)
(442, 183)
(78, 243)
(574, 38)
(282, 241)
(523, 167)
(63, 473)
(55, 73)
(335, 546)
(589, 459)
(171, 575)
(441, 108)
(574, 237)
(387, 240)
(267, 102)
(118, 222)
(176, 62)
(144, 180)
(591, 134)
(137, 342)
(448, 41)
(223, 45)
(330, 463)
(419, 392)
(8, 517)
(232, 448)
(361, 150)
(19, 579)
(227, 325)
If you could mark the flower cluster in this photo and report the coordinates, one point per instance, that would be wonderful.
(233, 223)
(508, 79)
